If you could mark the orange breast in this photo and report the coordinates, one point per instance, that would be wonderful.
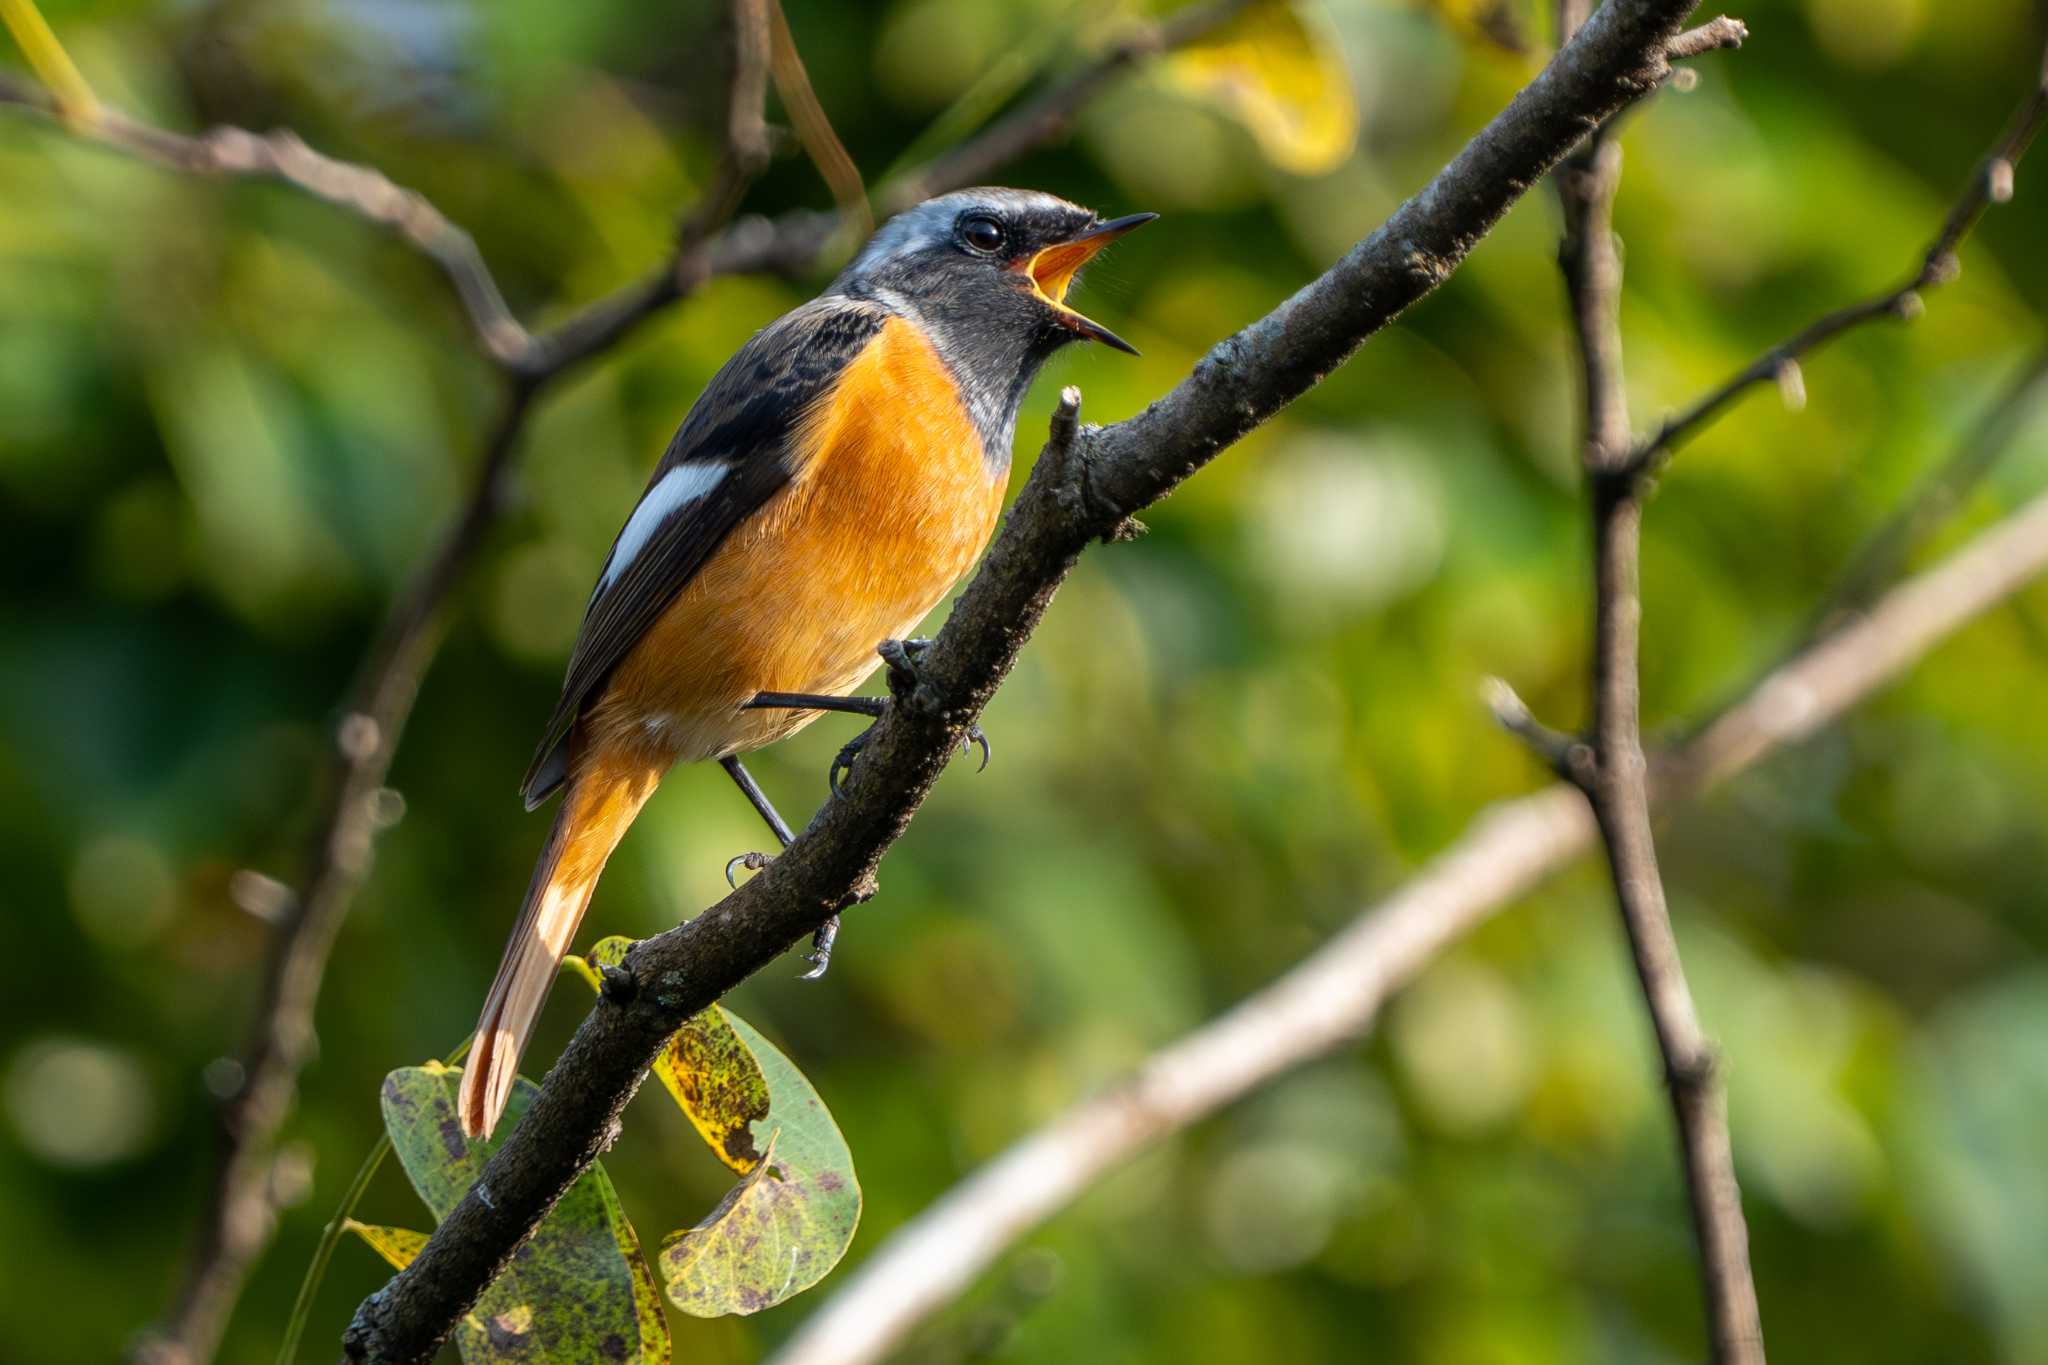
(891, 504)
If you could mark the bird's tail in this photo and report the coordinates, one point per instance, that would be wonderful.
(596, 810)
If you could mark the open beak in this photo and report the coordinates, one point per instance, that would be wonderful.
(1052, 272)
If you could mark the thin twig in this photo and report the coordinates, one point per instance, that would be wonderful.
(1333, 997)
(1990, 183)
(365, 192)
(1067, 504)
(1616, 780)
(813, 127)
(1715, 35)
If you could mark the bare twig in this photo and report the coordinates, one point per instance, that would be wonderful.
(1107, 475)
(367, 193)
(1616, 779)
(1567, 755)
(1334, 996)
(1990, 183)
(1713, 36)
(813, 128)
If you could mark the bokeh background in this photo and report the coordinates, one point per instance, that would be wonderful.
(231, 418)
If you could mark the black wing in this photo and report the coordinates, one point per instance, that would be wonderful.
(743, 423)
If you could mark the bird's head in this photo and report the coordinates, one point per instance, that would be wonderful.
(993, 259)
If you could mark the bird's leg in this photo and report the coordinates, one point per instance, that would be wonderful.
(842, 762)
(901, 657)
(820, 956)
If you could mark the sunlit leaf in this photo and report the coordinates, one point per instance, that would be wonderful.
(713, 1076)
(1503, 23)
(574, 1291)
(396, 1245)
(783, 1227)
(1281, 76)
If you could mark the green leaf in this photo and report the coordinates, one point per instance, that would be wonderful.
(579, 1290)
(713, 1076)
(784, 1226)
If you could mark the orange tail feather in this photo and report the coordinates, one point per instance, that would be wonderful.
(596, 810)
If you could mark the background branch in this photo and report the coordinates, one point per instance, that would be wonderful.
(1991, 183)
(1081, 489)
(1615, 779)
(1333, 997)
(238, 1219)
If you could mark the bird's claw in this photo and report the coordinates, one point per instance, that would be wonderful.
(974, 736)
(753, 862)
(820, 956)
(842, 762)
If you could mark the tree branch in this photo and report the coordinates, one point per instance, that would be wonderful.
(1333, 997)
(238, 1217)
(1616, 780)
(361, 190)
(1081, 489)
(1991, 183)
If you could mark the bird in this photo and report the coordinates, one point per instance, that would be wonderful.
(838, 476)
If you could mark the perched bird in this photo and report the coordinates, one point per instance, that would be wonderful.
(834, 481)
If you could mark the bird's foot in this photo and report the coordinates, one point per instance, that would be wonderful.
(820, 956)
(752, 862)
(904, 679)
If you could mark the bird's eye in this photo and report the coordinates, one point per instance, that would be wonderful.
(981, 233)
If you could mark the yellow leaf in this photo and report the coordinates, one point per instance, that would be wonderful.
(47, 57)
(1503, 23)
(396, 1245)
(1283, 78)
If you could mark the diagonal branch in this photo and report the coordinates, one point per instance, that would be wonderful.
(1333, 997)
(1990, 183)
(1086, 484)
(367, 193)
(237, 1222)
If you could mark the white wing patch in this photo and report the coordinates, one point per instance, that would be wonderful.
(684, 484)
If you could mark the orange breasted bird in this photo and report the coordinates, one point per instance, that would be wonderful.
(837, 478)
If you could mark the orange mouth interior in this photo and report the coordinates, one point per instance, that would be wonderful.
(1052, 270)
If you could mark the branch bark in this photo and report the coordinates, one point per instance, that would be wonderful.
(237, 1222)
(1333, 997)
(1086, 485)
(1615, 778)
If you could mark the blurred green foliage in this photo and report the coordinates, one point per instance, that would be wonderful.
(231, 418)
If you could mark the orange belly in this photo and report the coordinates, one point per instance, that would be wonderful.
(891, 504)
